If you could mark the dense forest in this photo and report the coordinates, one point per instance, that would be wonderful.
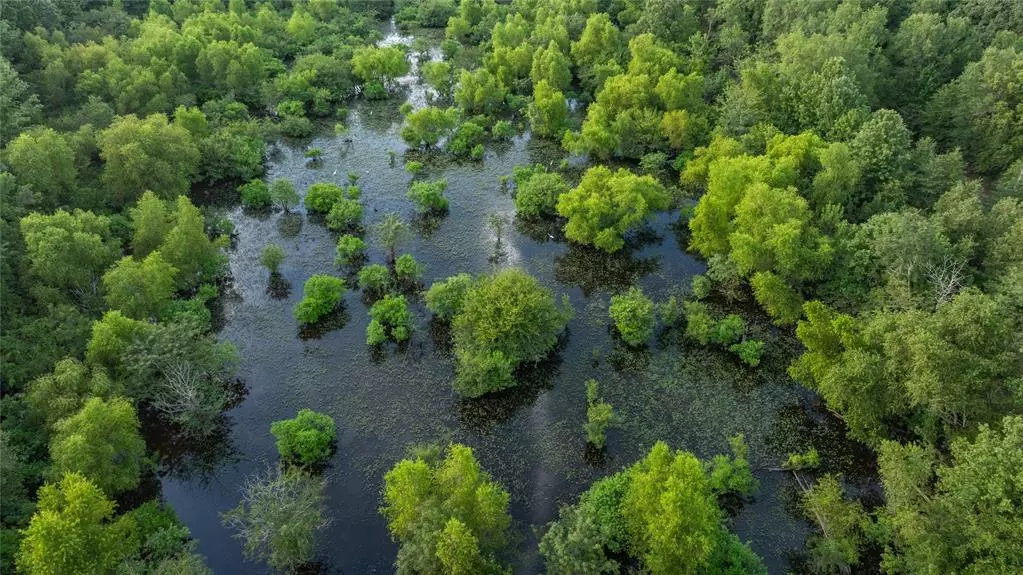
(847, 175)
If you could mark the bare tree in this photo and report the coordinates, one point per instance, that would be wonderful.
(946, 278)
(190, 397)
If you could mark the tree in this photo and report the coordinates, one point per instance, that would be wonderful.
(551, 66)
(344, 215)
(606, 205)
(279, 516)
(407, 271)
(151, 221)
(374, 279)
(438, 75)
(191, 395)
(72, 531)
(429, 196)
(255, 194)
(322, 196)
(444, 298)
(140, 289)
(423, 498)
(69, 250)
(392, 232)
(479, 92)
(837, 546)
(575, 544)
(61, 393)
(634, 316)
(599, 415)
(18, 105)
(391, 320)
(505, 319)
(537, 191)
(322, 294)
(548, 112)
(424, 127)
(672, 518)
(283, 194)
(271, 257)
(147, 154)
(101, 442)
(188, 248)
(379, 66)
(42, 159)
(308, 439)
(600, 43)
(350, 250)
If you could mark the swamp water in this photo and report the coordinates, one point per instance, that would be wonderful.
(529, 438)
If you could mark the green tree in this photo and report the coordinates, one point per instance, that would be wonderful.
(424, 495)
(548, 112)
(634, 316)
(600, 43)
(392, 232)
(374, 279)
(480, 92)
(438, 75)
(271, 257)
(505, 319)
(429, 196)
(552, 66)
(344, 215)
(444, 298)
(391, 321)
(18, 105)
(255, 194)
(42, 159)
(147, 154)
(379, 66)
(322, 294)
(101, 442)
(350, 250)
(188, 248)
(151, 221)
(73, 531)
(322, 196)
(425, 127)
(599, 415)
(279, 516)
(308, 439)
(606, 205)
(841, 523)
(60, 394)
(283, 194)
(537, 191)
(140, 289)
(69, 251)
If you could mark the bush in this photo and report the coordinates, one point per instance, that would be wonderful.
(699, 323)
(407, 270)
(391, 321)
(255, 194)
(296, 126)
(322, 196)
(374, 279)
(308, 439)
(634, 316)
(444, 298)
(413, 167)
(537, 191)
(477, 152)
(344, 215)
(350, 250)
(271, 257)
(322, 294)
(314, 153)
(728, 330)
(429, 196)
(283, 194)
(701, 285)
(467, 136)
(749, 351)
(598, 416)
(502, 130)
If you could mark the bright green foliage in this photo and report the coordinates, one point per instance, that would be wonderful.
(672, 518)
(466, 138)
(140, 289)
(407, 271)
(61, 393)
(322, 294)
(322, 196)
(634, 316)
(537, 191)
(188, 248)
(599, 415)
(345, 214)
(599, 45)
(479, 92)
(147, 154)
(425, 496)
(308, 439)
(350, 250)
(283, 194)
(391, 321)
(606, 205)
(101, 442)
(837, 546)
(279, 516)
(502, 130)
(778, 299)
(379, 66)
(429, 196)
(392, 232)
(749, 351)
(438, 75)
(374, 279)
(151, 221)
(69, 250)
(548, 112)
(424, 127)
(733, 474)
(444, 298)
(255, 194)
(42, 159)
(505, 319)
(551, 66)
(271, 257)
(110, 338)
(72, 531)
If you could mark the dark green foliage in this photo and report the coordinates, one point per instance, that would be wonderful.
(444, 298)
(374, 279)
(407, 271)
(321, 197)
(391, 321)
(308, 439)
(256, 194)
(283, 194)
(599, 415)
(322, 296)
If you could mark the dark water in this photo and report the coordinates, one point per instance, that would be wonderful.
(530, 439)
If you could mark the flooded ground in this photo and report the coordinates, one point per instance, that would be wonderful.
(529, 438)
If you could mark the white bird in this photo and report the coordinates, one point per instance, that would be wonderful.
(335, 173)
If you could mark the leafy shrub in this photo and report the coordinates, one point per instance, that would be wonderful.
(350, 250)
(345, 214)
(699, 323)
(413, 167)
(307, 439)
(728, 330)
(321, 197)
(429, 196)
(444, 298)
(634, 316)
(477, 152)
(314, 153)
(374, 279)
(537, 191)
(749, 351)
(283, 194)
(701, 285)
(255, 194)
(296, 126)
(599, 415)
(467, 136)
(407, 270)
(271, 257)
(502, 130)
(391, 321)
(733, 474)
(322, 294)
